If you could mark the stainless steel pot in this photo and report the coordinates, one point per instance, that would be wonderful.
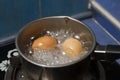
(35, 28)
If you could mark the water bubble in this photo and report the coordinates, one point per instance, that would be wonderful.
(54, 56)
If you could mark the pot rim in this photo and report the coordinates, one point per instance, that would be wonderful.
(60, 65)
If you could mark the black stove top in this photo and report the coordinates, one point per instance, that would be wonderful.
(6, 52)
(98, 70)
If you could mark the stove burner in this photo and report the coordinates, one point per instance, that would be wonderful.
(95, 72)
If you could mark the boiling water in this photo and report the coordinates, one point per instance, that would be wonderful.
(56, 56)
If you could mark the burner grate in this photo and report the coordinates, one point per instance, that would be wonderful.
(95, 71)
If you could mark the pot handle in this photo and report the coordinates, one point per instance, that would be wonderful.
(109, 52)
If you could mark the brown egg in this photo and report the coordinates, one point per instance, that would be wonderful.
(72, 47)
(45, 42)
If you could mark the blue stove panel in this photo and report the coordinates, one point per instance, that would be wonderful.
(112, 7)
(102, 37)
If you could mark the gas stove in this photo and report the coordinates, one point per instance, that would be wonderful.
(11, 68)
(93, 71)
(99, 69)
